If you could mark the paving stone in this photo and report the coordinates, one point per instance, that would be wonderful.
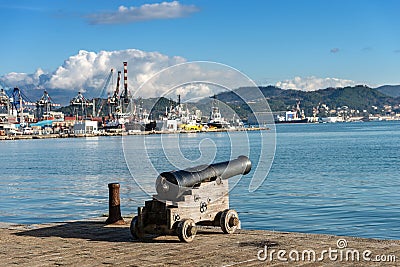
(91, 243)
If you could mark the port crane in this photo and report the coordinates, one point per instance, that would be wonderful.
(44, 105)
(80, 105)
(5, 105)
(102, 98)
(17, 104)
(113, 101)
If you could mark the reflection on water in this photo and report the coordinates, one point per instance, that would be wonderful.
(326, 178)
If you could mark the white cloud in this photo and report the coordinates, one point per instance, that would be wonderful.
(16, 79)
(193, 80)
(164, 10)
(87, 71)
(150, 74)
(195, 91)
(313, 83)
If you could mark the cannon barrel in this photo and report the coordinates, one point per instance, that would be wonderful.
(171, 185)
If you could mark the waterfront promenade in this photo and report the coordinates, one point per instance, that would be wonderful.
(92, 243)
(123, 133)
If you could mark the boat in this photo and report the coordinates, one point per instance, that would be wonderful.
(216, 120)
(135, 126)
(294, 116)
(290, 117)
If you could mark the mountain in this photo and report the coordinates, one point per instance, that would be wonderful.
(357, 97)
(390, 90)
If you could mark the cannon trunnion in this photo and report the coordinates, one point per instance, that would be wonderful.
(205, 203)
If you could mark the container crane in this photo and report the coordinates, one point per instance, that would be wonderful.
(80, 104)
(5, 105)
(44, 105)
(17, 105)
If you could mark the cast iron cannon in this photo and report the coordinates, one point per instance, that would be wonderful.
(189, 199)
(171, 185)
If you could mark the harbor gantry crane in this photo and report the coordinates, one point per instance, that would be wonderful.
(103, 94)
(44, 105)
(80, 105)
(17, 105)
(5, 105)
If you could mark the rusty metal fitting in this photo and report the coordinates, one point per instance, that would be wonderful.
(114, 205)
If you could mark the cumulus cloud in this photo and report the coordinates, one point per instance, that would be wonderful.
(150, 74)
(195, 91)
(164, 10)
(313, 83)
(193, 80)
(87, 71)
(16, 79)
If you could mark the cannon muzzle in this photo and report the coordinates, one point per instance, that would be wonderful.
(171, 185)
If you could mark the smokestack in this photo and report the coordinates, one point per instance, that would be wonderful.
(126, 79)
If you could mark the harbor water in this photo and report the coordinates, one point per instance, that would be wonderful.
(337, 179)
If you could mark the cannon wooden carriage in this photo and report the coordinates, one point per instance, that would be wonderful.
(189, 199)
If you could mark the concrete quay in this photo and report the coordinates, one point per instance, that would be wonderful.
(123, 133)
(92, 243)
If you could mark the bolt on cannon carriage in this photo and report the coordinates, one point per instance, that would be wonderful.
(190, 198)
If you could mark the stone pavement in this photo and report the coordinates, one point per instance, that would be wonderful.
(91, 243)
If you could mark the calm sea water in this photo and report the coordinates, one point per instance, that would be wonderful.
(338, 179)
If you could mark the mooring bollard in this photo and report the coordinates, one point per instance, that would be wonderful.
(114, 210)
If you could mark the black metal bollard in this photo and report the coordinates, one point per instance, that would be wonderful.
(114, 205)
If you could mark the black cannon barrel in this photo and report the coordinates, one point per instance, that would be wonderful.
(171, 185)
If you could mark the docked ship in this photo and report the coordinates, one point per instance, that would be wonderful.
(216, 120)
(141, 122)
(124, 113)
(294, 116)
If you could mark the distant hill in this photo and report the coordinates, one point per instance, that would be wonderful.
(390, 90)
(358, 97)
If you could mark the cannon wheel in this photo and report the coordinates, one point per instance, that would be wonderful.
(136, 232)
(229, 221)
(186, 230)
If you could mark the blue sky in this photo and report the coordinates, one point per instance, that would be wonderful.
(270, 41)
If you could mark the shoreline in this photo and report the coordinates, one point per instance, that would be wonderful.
(92, 243)
(123, 133)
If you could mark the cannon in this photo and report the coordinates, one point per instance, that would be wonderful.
(190, 199)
